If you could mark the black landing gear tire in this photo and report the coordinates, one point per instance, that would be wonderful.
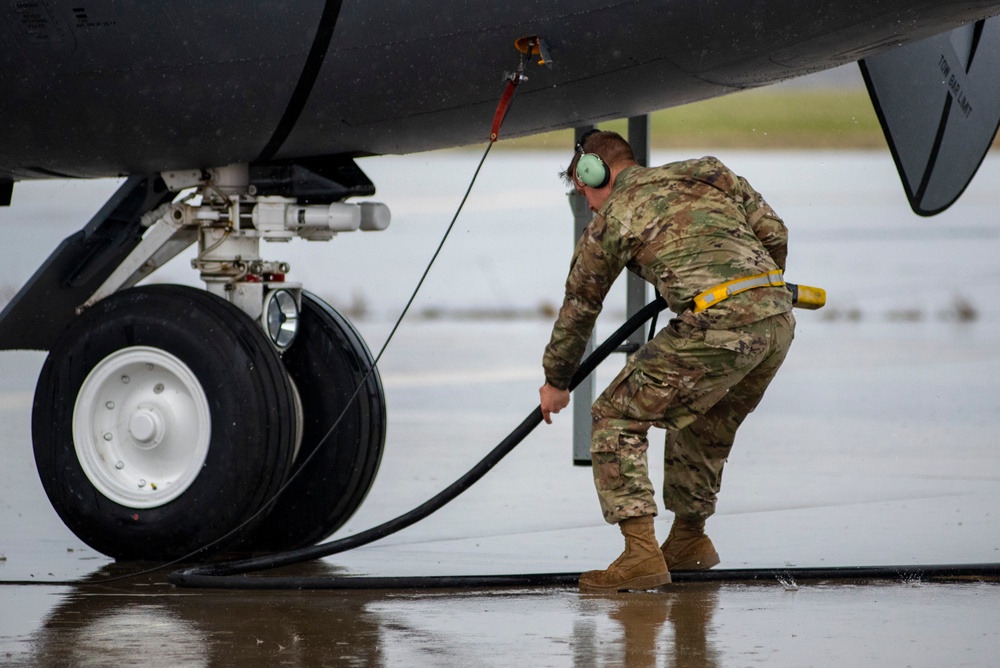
(163, 420)
(327, 362)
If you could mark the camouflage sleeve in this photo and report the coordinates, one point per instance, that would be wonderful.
(594, 268)
(766, 224)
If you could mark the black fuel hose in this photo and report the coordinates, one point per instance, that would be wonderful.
(233, 574)
(789, 577)
(225, 574)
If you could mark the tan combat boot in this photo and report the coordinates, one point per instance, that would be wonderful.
(687, 548)
(640, 566)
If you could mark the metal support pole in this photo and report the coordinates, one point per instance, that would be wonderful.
(635, 291)
(583, 395)
(635, 287)
(638, 137)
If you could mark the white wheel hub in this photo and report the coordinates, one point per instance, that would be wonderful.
(141, 427)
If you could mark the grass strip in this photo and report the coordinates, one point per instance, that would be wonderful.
(759, 119)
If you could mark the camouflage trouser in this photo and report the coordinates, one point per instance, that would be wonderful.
(699, 385)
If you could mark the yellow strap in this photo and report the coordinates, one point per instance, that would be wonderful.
(729, 288)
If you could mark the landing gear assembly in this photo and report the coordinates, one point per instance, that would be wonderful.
(170, 420)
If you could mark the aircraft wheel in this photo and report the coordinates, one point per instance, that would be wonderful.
(162, 420)
(327, 361)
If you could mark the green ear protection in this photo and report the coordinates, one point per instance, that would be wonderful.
(591, 170)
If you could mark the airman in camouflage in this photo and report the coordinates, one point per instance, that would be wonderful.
(686, 227)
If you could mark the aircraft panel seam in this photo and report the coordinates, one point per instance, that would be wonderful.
(303, 89)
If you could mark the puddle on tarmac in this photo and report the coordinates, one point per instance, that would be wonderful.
(146, 621)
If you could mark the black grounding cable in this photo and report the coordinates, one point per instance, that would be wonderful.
(234, 574)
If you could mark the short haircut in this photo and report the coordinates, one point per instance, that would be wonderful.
(611, 147)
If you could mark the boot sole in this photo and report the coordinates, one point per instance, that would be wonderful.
(702, 563)
(640, 582)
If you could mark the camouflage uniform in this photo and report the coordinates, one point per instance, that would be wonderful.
(685, 227)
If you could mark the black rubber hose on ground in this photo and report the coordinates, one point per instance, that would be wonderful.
(789, 577)
(226, 574)
(232, 574)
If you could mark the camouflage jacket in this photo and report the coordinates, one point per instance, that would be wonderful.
(685, 227)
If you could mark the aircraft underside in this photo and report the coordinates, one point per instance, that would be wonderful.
(113, 88)
(170, 421)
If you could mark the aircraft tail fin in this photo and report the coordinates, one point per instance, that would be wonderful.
(938, 101)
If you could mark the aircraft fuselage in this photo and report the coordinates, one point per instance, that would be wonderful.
(107, 87)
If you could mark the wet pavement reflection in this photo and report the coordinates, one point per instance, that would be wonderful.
(705, 625)
(148, 622)
(653, 630)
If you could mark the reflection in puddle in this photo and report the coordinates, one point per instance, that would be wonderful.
(694, 625)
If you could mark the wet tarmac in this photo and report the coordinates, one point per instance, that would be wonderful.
(880, 487)
(875, 446)
(899, 624)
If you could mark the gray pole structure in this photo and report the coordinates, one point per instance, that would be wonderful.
(583, 395)
(635, 299)
(635, 287)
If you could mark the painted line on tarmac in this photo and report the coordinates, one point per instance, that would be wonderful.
(442, 378)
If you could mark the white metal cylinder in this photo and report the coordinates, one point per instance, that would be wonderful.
(375, 216)
(336, 217)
